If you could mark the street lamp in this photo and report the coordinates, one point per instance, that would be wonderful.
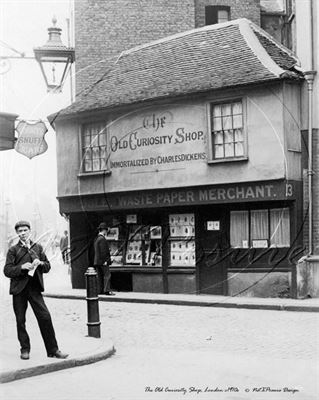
(54, 59)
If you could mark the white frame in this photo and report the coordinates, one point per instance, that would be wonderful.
(209, 104)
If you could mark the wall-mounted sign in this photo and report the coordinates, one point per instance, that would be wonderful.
(158, 138)
(31, 140)
(213, 225)
(131, 219)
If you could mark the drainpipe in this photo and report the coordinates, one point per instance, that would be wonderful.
(310, 76)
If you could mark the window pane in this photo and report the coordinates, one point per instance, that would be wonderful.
(217, 111)
(87, 165)
(87, 141)
(96, 152)
(226, 110)
(102, 139)
(219, 137)
(227, 122)
(103, 152)
(229, 138)
(219, 151)
(103, 163)
(229, 150)
(217, 124)
(239, 149)
(280, 227)
(237, 121)
(88, 153)
(259, 224)
(239, 228)
(96, 165)
(237, 108)
(238, 135)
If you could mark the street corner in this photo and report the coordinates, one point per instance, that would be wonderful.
(81, 350)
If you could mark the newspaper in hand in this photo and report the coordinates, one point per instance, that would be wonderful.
(32, 271)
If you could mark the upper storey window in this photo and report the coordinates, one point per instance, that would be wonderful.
(216, 14)
(94, 147)
(227, 131)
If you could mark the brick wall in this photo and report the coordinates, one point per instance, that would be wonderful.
(104, 28)
(249, 9)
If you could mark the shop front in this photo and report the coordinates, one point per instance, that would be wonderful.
(217, 239)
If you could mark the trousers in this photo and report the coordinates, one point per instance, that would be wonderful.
(32, 295)
(104, 278)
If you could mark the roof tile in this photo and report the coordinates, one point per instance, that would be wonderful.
(200, 60)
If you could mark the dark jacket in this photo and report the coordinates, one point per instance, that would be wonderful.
(17, 256)
(101, 251)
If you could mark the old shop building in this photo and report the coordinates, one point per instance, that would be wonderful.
(189, 148)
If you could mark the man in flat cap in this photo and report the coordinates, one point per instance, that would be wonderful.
(25, 264)
(102, 260)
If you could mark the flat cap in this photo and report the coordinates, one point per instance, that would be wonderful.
(19, 224)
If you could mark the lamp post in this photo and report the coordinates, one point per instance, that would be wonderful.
(55, 59)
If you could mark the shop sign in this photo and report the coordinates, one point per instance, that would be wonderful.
(275, 190)
(158, 137)
(31, 140)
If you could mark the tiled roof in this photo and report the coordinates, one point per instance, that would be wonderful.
(213, 57)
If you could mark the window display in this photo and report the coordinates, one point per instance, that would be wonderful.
(144, 246)
(182, 240)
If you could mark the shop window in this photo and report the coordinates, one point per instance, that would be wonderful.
(227, 131)
(135, 245)
(216, 14)
(260, 228)
(182, 240)
(94, 147)
(280, 227)
(144, 245)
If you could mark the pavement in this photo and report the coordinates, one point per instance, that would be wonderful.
(87, 350)
(306, 305)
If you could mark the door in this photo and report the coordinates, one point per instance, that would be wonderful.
(211, 249)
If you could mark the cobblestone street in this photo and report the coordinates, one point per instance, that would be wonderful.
(161, 348)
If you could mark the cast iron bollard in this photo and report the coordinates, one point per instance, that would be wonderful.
(92, 303)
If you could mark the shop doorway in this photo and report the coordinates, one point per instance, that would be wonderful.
(211, 247)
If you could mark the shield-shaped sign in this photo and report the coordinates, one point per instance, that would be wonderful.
(31, 140)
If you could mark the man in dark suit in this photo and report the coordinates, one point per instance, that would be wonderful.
(25, 264)
(64, 244)
(102, 260)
